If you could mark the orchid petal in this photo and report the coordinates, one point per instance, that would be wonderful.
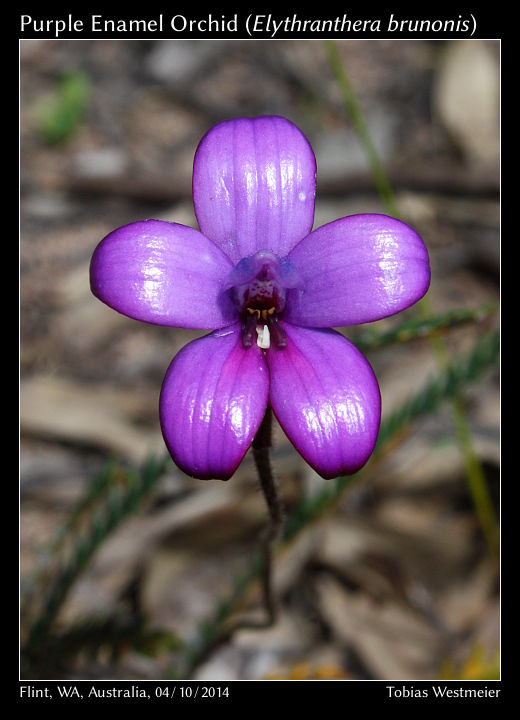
(357, 269)
(212, 402)
(326, 398)
(254, 182)
(163, 273)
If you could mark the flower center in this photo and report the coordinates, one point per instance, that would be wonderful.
(258, 286)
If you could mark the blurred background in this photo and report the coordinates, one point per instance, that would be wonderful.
(395, 579)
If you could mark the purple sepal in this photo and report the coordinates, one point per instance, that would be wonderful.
(212, 402)
(326, 398)
(357, 269)
(254, 182)
(163, 273)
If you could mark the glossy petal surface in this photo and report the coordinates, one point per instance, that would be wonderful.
(254, 182)
(212, 402)
(326, 398)
(357, 269)
(163, 273)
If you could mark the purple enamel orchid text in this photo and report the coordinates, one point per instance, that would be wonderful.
(270, 289)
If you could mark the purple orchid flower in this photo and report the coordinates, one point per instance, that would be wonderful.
(270, 289)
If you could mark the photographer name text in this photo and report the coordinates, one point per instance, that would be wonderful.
(407, 692)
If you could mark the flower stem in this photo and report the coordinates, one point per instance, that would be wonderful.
(261, 453)
(216, 633)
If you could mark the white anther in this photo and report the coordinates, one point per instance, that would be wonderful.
(264, 337)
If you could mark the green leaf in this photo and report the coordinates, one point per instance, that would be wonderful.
(60, 116)
(419, 327)
(88, 637)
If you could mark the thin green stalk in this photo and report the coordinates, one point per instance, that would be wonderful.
(477, 483)
(476, 479)
(357, 118)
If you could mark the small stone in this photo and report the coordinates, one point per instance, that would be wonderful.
(175, 62)
(466, 98)
(103, 163)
